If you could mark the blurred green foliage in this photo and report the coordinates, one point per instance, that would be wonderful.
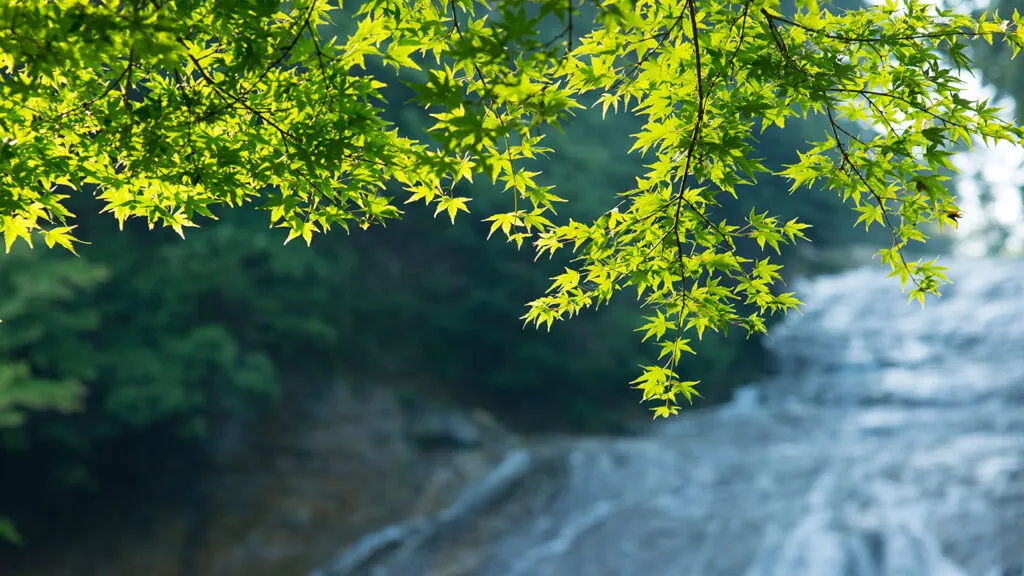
(991, 60)
(46, 338)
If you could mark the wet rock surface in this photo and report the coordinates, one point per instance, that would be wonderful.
(890, 444)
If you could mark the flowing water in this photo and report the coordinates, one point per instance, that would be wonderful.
(890, 443)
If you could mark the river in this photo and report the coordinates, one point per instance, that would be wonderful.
(889, 442)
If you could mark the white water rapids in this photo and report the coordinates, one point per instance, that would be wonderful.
(890, 443)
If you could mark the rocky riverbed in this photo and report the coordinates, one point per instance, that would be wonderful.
(890, 443)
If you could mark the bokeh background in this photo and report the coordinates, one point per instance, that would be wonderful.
(225, 404)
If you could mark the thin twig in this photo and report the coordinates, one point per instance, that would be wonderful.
(881, 203)
(877, 39)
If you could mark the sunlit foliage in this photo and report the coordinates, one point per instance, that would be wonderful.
(167, 109)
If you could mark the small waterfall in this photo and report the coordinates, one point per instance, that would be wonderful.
(815, 546)
(891, 443)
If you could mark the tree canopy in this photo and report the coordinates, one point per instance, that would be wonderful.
(168, 110)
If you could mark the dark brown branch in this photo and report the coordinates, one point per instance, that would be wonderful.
(915, 105)
(128, 81)
(500, 117)
(635, 69)
(888, 125)
(240, 101)
(877, 39)
(286, 50)
(568, 48)
(881, 203)
(110, 87)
